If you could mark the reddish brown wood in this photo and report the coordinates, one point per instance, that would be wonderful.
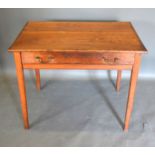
(77, 45)
(37, 71)
(133, 80)
(119, 75)
(79, 37)
(76, 66)
(78, 58)
(22, 90)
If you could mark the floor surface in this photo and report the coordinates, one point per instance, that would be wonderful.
(77, 113)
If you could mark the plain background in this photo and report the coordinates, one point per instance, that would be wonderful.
(13, 20)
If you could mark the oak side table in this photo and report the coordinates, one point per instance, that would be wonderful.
(78, 45)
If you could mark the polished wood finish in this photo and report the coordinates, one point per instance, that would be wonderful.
(119, 75)
(78, 37)
(133, 80)
(78, 45)
(37, 71)
(78, 58)
(21, 85)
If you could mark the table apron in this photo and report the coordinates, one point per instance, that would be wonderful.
(77, 67)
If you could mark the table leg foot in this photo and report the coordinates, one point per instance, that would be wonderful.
(125, 129)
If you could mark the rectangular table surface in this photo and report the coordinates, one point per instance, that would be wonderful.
(78, 37)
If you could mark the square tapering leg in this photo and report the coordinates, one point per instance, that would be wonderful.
(37, 72)
(132, 88)
(22, 90)
(118, 82)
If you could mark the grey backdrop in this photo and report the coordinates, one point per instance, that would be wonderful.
(12, 21)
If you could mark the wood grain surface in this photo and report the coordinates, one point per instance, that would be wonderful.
(79, 37)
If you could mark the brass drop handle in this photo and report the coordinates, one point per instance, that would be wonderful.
(50, 58)
(116, 59)
(109, 60)
(105, 59)
(38, 59)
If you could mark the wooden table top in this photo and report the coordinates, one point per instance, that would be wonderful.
(78, 36)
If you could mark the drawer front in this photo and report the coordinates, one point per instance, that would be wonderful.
(77, 58)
